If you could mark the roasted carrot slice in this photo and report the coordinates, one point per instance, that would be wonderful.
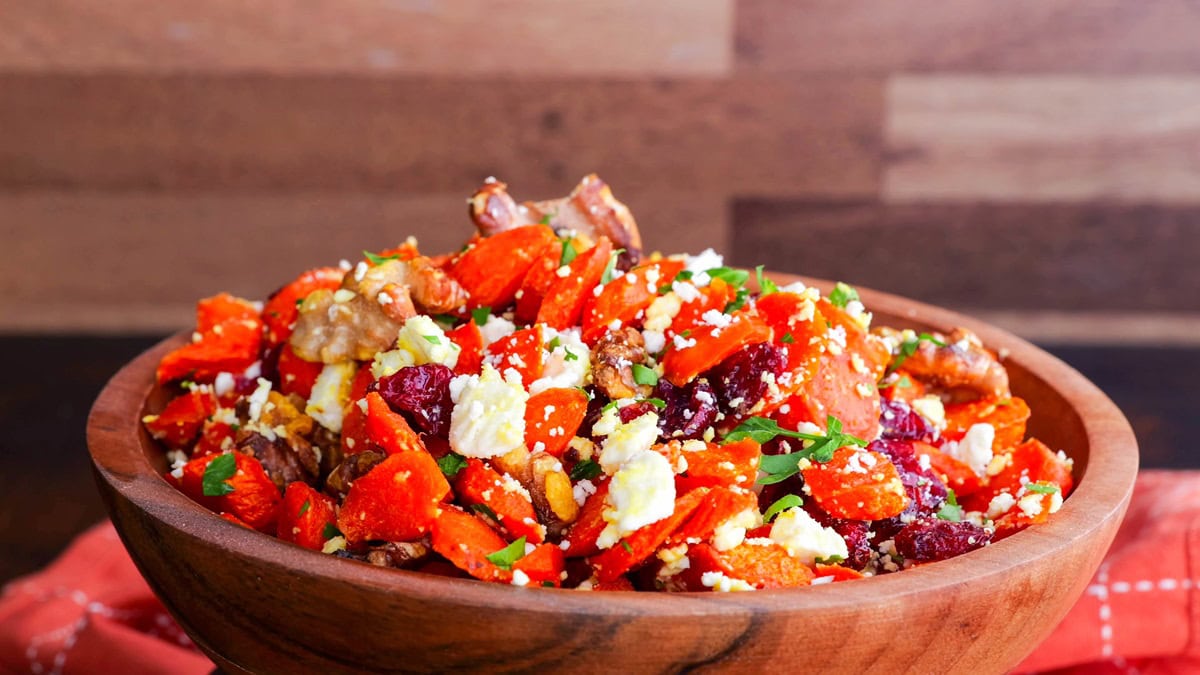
(397, 500)
(520, 350)
(297, 376)
(954, 472)
(543, 566)
(857, 485)
(253, 498)
(354, 431)
(637, 547)
(708, 345)
(729, 464)
(1030, 461)
(467, 541)
(492, 270)
(182, 418)
(470, 343)
(214, 311)
(552, 417)
(304, 516)
(563, 305)
(1007, 417)
(388, 429)
(215, 438)
(581, 538)
(280, 312)
(229, 347)
(625, 297)
(714, 296)
(720, 504)
(500, 497)
(759, 564)
(838, 572)
(537, 281)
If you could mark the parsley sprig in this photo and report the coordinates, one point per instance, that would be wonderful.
(377, 259)
(782, 504)
(505, 557)
(950, 509)
(842, 295)
(216, 474)
(765, 285)
(909, 347)
(782, 467)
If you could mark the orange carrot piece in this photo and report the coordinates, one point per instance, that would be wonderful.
(1007, 417)
(297, 376)
(254, 499)
(563, 305)
(857, 485)
(713, 344)
(623, 298)
(552, 417)
(478, 485)
(954, 472)
(720, 504)
(714, 296)
(388, 429)
(492, 270)
(397, 500)
(470, 344)
(537, 281)
(1032, 461)
(581, 538)
(229, 347)
(281, 309)
(182, 418)
(838, 572)
(635, 548)
(304, 515)
(760, 565)
(729, 464)
(520, 350)
(214, 311)
(543, 566)
(467, 541)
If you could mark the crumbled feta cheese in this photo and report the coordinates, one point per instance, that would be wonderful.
(804, 538)
(797, 287)
(622, 441)
(425, 340)
(686, 291)
(519, 578)
(1031, 504)
(343, 295)
(662, 311)
(495, 328)
(334, 544)
(330, 393)
(931, 408)
(701, 263)
(223, 384)
(488, 419)
(655, 341)
(1000, 505)
(681, 342)
(259, 398)
(975, 448)
(566, 365)
(716, 318)
(582, 490)
(641, 492)
(732, 532)
(723, 584)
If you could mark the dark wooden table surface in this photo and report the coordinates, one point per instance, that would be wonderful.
(47, 495)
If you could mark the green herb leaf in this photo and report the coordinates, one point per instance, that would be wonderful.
(547, 584)
(644, 375)
(379, 259)
(787, 339)
(782, 504)
(485, 510)
(950, 509)
(304, 507)
(765, 285)
(555, 343)
(608, 406)
(216, 473)
(684, 275)
(505, 557)
(611, 267)
(625, 545)
(831, 560)
(480, 315)
(330, 532)
(432, 339)
(909, 347)
(842, 295)
(187, 385)
(545, 219)
(739, 301)
(451, 464)
(446, 320)
(656, 402)
(568, 253)
(300, 301)
(585, 470)
(569, 355)
(735, 278)
(1043, 488)
(781, 467)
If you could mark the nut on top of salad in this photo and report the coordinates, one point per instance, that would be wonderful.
(553, 406)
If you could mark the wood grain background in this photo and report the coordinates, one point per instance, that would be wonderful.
(1034, 162)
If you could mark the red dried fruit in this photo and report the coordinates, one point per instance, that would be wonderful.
(931, 539)
(738, 380)
(421, 394)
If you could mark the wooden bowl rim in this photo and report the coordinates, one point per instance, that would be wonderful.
(117, 443)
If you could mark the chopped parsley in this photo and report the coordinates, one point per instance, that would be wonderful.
(446, 320)
(765, 285)
(782, 504)
(216, 474)
(553, 344)
(787, 339)
(485, 510)
(304, 507)
(451, 464)
(480, 315)
(644, 375)
(1043, 488)
(902, 383)
(505, 557)
(625, 545)
(684, 275)
(330, 531)
(950, 509)
(432, 339)
(909, 347)
(842, 295)
(569, 355)
(831, 560)
(586, 469)
(568, 253)
(735, 278)
(782, 467)
(379, 259)
(611, 267)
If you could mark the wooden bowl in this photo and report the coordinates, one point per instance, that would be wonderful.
(257, 604)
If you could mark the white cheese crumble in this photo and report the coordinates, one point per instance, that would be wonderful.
(622, 441)
(723, 584)
(259, 398)
(931, 408)
(641, 492)
(223, 384)
(566, 365)
(488, 419)
(975, 448)
(494, 328)
(1000, 505)
(702, 262)
(330, 394)
(662, 311)
(519, 578)
(655, 341)
(731, 533)
(804, 538)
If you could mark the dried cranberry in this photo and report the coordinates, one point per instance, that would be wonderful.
(856, 534)
(633, 411)
(925, 490)
(738, 380)
(595, 408)
(689, 409)
(421, 394)
(900, 421)
(931, 539)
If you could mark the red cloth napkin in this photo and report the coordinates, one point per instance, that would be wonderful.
(91, 611)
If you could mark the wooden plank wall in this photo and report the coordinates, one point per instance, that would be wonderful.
(1033, 161)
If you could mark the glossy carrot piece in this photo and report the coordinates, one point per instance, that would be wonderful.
(297, 376)
(215, 438)
(478, 485)
(635, 548)
(281, 309)
(492, 270)
(838, 572)
(1030, 461)
(304, 516)
(214, 311)
(953, 472)
(543, 566)
(254, 499)
(397, 500)
(470, 344)
(563, 305)
(760, 565)
(467, 541)
(388, 429)
(552, 417)
(520, 350)
(1007, 416)
(536, 282)
(182, 418)
(581, 538)
(713, 344)
(354, 438)
(625, 297)
(730, 464)
(857, 485)
(229, 347)
(720, 504)
(714, 296)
